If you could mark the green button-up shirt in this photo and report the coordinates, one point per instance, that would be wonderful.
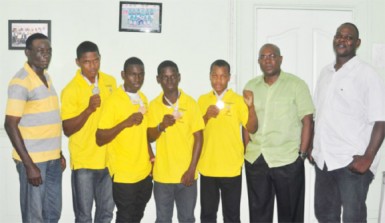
(280, 109)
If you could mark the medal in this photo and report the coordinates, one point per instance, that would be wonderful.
(220, 104)
(176, 113)
(95, 90)
(136, 100)
(142, 110)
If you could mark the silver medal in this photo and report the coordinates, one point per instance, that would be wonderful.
(95, 90)
(220, 104)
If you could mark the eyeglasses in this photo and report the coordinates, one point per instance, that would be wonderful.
(269, 56)
(343, 37)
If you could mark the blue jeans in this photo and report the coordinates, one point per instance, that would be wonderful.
(185, 199)
(42, 203)
(89, 185)
(337, 188)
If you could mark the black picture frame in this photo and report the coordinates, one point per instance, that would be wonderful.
(20, 30)
(140, 17)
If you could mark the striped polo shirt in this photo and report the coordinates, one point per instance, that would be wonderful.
(38, 107)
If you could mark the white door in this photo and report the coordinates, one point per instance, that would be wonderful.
(304, 37)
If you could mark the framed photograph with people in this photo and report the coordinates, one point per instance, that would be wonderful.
(140, 17)
(20, 30)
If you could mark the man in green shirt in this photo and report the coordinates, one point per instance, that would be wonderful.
(275, 154)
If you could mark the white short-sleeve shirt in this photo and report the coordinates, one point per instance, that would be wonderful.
(348, 102)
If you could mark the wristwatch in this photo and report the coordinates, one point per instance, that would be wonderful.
(303, 155)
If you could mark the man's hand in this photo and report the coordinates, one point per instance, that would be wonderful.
(309, 156)
(248, 97)
(168, 120)
(135, 119)
(212, 112)
(188, 177)
(360, 164)
(33, 175)
(63, 163)
(94, 102)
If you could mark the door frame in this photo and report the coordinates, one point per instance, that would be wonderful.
(358, 9)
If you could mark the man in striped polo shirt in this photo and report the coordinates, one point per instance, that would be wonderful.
(33, 125)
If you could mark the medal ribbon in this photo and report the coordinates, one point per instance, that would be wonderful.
(95, 90)
(135, 98)
(175, 107)
(219, 97)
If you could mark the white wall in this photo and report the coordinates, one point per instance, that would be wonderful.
(194, 33)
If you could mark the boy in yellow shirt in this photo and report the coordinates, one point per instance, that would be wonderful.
(81, 100)
(221, 160)
(176, 124)
(123, 126)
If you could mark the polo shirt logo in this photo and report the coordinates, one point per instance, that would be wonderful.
(109, 86)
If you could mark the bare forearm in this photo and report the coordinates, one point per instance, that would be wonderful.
(376, 139)
(245, 138)
(252, 122)
(104, 136)
(306, 133)
(150, 152)
(362, 163)
(205, 119)
(154, 133)
(73, 125)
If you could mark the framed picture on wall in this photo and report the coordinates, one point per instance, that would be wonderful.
(140, 17)
(20, 30)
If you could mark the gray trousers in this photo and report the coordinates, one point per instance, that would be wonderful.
(184, 197)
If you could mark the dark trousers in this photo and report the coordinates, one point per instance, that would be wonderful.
(229, 189)
(286, 183)
(131, 199)
(341, 188)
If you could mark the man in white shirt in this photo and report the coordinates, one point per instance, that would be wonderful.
(349, 130)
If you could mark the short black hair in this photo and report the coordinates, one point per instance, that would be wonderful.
(31, 38)
(352, 25)
(220, 63)
(85, 47)
(167, 63)
(132, 61)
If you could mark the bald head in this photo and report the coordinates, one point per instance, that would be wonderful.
(271, 46)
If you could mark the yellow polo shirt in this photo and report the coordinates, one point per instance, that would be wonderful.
(84, 152)
(222, 152)
(128, 157)
(174, 147)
